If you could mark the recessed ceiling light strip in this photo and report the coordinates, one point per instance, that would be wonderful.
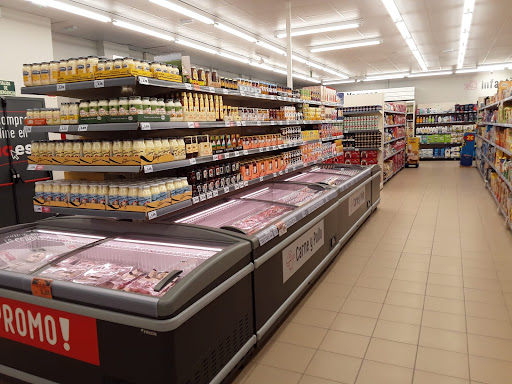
(329, 27)
(404, 31)
(72, 9)
(146, 31)
(467, 16)
(174, 6)
(345, 45)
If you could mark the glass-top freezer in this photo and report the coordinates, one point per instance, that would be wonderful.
(25, 251)
(245, 215)
(338, 170)
(130, 265)
(284, 193)
(318, 177)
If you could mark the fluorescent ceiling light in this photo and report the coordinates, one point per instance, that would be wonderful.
(140, 29)
(184, 11)
(196, 46)
(420, 60)
(467, 16)
(306, 78)
(299, 59)
(392, 10)
(240, 59)
(486, 68)
(319, 66)
(271, 47)
(402, 28)
(425, 74)
(322, 28)
(469, 70)
(386, 77)
(235, 32)
(339, 82)
(346, 45)
(72, 9)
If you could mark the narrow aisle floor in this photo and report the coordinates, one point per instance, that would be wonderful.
(422, 294)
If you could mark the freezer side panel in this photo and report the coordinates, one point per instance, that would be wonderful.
(375, 184)
(355, 206)
(270, 291)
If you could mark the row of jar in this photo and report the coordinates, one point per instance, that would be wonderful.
(49, 72)
(134, 105)
(134, 193)
(116, 148)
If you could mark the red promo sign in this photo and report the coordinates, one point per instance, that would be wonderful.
(55, 331)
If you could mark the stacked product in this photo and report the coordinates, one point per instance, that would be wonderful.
(395, 107)
(366, 108)
(356, 123)
(440, 129)
(394, 119)
(363, 140)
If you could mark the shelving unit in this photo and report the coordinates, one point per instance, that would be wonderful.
(504, 125)
(496, 104)
(393, 174)
(393, 154)
(151, 87)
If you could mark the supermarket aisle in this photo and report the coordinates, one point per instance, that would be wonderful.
(422, 294)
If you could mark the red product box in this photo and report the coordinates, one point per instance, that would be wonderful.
(353, 161)
(369, 154)
(369, 161)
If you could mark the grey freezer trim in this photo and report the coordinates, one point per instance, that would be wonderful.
(234, 361)
(165, 325)
(265, 328)
(20, 375)
(271, 252)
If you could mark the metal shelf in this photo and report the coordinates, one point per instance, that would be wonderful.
(504, 125)
(450, 123)
(393, 174)
(444, 113)
(398, 138)
(506, 151)
(149, 86)
(148, 126)
(85, 168)
(396, 153)
(361, 130)
(174, 207)
(508, 222)
(394, 125)
(443, 144)
(496, 104)
(440, 158)
(509, 185)
(360, 149)
(395, 112)
(362, 113)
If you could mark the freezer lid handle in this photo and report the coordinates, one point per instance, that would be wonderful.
(166, 280)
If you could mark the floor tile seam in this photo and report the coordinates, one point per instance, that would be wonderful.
(466, 317)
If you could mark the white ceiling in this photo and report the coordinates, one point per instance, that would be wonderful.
(434, 25)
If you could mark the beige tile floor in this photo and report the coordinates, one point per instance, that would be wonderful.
(421, 295)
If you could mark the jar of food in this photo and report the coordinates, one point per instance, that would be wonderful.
(73, 113)
(154, 106)
(106, 148)
(84, 108)
(163, 190)
(123, 195)
(124, 106)
(135, 105)
(39, 191)
(169, 109)
(87, 148)
(165, 68)
(146, 105)
(158, 147)
(45, 73)
(54, 72)
(92, 64)
(118, 64)
(77, 149)
(166, 147)
(59, 148)
(146, 66)
(72, 66)
(193, 73)
(109, 65)
(102, 194)
(103, 107)
(49, 116)
(43, 149)
(150, 148)
(93, 108)
(128, 63)
(201, 76)
(161, 107)
(117, 148)
(93, 193)
(174, 148)
(215, 76)
(63, 68)
(30, 114)
(56, 116)
(36, 74)
(179, 109)
(68, 148)
(96, 148)
(27, 75)
(113, 107)
(64, 113)
(155, 67)
(113, 195)
(171, 189)
(50, 149)
(102, 66)
(81, 66)
(139, 148)
(182, 154)
(144, 195)
(127, 148)
(137, 64)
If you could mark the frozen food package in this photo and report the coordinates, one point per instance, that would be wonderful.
(146, 284)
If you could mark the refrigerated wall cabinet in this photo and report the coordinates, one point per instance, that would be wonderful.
(184, 300)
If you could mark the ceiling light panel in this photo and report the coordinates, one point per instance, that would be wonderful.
(386, 77)
(427, 74)
(143, 30)
(173, 6)
(235, 32)
(329, 27)
(271, 47)
(467, 17)
(72, 9)
(404, 31)
(339, 82)
(345, 45)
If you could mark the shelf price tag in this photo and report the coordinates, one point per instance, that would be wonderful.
(27, 128)
(61, 87)
(272, 122)
(226, 155)
(226, 189)
(244, 123)
(237, 187)
(237, 153)
(99, 83)
(46, 209)
(246, 152)
(148, 168)
(38, 208)
(190, 124)
(152, 215)
(215, 157)
(31, 167)
(195, 200)
(193, 161)
(197, 87)
(246, 183)
(280, 173)
(227, 123)
(209, 195)
(145, 126)
(211, 89)
(281, 227)
(188, 86)
(215, 193)
(83, 128)
(225, 91)
(258, 123)
(261, 149)
(42, 287)
(274, 147)
(202, 197)
(262, 178)
(143, 80)
(63, 128)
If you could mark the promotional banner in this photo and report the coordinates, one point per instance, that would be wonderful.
(468, 150)
(413, 151)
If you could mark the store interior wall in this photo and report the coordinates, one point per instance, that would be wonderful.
(462, 88)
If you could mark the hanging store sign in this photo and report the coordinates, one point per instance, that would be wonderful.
(302, 249)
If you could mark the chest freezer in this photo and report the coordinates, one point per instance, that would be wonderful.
(121, 302)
